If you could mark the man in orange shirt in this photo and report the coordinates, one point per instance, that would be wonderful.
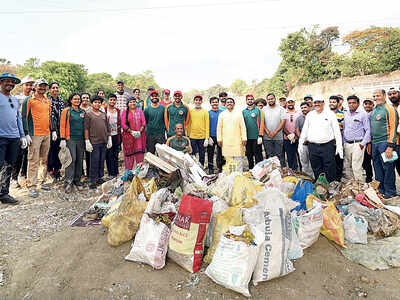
(37, 127)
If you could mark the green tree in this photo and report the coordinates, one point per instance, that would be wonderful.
(239, 87)
(97, 81)
(140, 80)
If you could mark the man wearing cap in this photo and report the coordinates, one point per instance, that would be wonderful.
(368, 106)
(309, 99)
(198, 129)
(176, 112)
(148, 100)
(320, 132)
(274, 120)
(231, 131)
(254, 121)
(166, 100)
(303, 152)
(290, 138)
(155, 126)
(37, 126)
(394, 97)
(334, 106)
(122, 96)
(21, 164)
(340, 103)
(282, 102)
(356, 136)
(383, 121)
(222, 100)
(11, 134)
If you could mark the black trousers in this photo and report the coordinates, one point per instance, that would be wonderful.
(210, 155)
(339, 167)
(8, 155)
(21, 164)
(152, 140)
(112, 157)
(53, 162)
(322, 159)
(253, 152)
(367, 166)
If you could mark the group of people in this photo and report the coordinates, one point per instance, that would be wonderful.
(318, 138)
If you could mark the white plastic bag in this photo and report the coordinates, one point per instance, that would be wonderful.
(308, 226)
(295, 251)
(355, 229)
(275, 180)
(233, 263)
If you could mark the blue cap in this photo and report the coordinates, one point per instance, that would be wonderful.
(308, 96)
(10, 75)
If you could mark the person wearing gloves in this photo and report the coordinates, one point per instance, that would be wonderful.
(231, 131)
(198, 129)
(383, 120)
(73, 137)
(356, 136)
(290, 138)
(114, 121)
(320, 132)
(213, 115)
(11, 134)
(254, 121)
(36, 119)
(97, 139)
(57, 106)
(155, 126)
(133, 125)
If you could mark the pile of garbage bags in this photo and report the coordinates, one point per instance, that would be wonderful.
(244, 225)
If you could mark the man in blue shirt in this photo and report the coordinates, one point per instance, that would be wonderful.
(11, 134)
(212, 141)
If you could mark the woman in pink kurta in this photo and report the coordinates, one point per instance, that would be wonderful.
(133, 134)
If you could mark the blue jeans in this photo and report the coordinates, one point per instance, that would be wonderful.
(97, 158)
(291, 153)
(274, 148)
(384, 172)
(198, 147)
(8, 156)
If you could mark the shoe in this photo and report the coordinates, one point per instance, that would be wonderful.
(92, 186)
(389, 196)
(7, 199)
(33, 193)
(68, 188)
(79, 186)
(14, 184)
(100, 181)
(45, 187)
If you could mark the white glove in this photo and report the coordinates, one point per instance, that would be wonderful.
(89, 147)
(205, 143)
(24, 143)
(28, 139)
(109, 143)
(63, 144)
(259, 140)
(211, 141)
(340, 152)
(291, 138)
(54, 135)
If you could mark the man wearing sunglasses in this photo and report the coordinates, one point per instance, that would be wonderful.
(222, 100)
(11, 134)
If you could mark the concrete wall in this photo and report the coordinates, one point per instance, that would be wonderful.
(362, 86)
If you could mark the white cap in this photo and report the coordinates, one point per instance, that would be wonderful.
(27, 79)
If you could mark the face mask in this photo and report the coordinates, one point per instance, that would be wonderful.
(197, 106)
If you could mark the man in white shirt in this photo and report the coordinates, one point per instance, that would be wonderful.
(320, 132)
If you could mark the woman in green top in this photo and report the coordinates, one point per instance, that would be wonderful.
(72, 137)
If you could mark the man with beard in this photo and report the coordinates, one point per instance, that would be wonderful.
(11, 134)
(155, 126)
(222, 100)
(122, 96)
(394, 97)
(334, 106)
(309, 99)
(368, 105)
(274, 120)
(303, 152)
(176, 112)
(254, 120)
(290, 139)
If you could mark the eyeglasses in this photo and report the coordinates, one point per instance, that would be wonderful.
(11, 104)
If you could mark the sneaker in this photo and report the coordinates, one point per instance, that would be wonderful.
(33, 193)
(79, 186)
(14, 184)
(45, 187)
(92, 186)
(7, 199)
(68, 188)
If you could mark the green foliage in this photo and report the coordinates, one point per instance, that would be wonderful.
(239, 87)
(97, 81)
(141, 80)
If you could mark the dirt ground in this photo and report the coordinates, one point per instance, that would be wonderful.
(41, 257)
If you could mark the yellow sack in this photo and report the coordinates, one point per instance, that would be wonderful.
(110, 213)
(310, 201)
(243, 192)
(291, 179)
(232, 216)
(232, 165)
(150, 187)
(125, 222)
(332, 227)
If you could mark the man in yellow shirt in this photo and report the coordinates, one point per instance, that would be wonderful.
(199, 128)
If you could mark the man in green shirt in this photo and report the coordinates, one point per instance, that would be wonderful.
(254, 120)
(179, 142)
(155, 126)
(175, 113)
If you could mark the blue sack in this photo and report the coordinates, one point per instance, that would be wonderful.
(301, 191)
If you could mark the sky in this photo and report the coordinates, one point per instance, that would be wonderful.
(186, 43)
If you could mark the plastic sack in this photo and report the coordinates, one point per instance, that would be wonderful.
(262, 169)
(332, 227)
(150, 188)
(233, 264)
(222, 188)
(243, 192)
(125, 222)
(188, 231)
(308, 226)
(321, 187)
(273, 258)
(232, 216)
(233, 164)
(275, 180)
(302, 190)
(295, 250)
(151, 243)
(355, 229)
(218, 207)
(114, 205)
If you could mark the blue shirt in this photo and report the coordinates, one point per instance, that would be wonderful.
(10, 118)
(356, 127)
(214, 121)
